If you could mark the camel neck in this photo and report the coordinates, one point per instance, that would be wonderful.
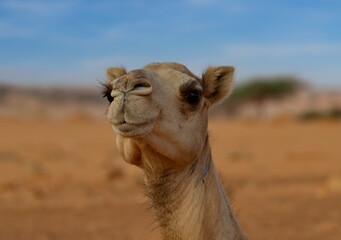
(191, 204)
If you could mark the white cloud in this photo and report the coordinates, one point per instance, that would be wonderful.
(280, 50)
(229, 6)
(18, 23)
(38, 7)
(201, 2)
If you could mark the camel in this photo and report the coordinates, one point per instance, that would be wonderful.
(160, 115)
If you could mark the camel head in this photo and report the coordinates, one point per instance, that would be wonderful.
(159, 112)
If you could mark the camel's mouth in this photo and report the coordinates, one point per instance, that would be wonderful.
(135, 118)
(133, 130)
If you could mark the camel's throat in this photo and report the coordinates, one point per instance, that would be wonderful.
(191, 203)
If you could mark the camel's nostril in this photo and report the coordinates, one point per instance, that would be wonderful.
(142, 88)
(141, 85)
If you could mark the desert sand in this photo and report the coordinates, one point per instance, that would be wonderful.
(64, 179)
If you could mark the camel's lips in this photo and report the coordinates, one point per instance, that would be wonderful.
(133, 130)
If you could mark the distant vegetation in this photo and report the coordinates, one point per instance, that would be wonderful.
(334, 113)
(52, 94)
(261, 89)
(4, 90)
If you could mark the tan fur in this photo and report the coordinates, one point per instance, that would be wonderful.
(171, 65)
(160, 131)
(115, 72)
(218, 83)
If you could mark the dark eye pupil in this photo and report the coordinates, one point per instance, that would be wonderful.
(194, 97)
(110, 98)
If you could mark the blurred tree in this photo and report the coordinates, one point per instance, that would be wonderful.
(261, 89)
(4, 90)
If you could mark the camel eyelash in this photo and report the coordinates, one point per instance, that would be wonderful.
(106, 91)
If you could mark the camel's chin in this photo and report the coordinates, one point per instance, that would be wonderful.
(133, 130)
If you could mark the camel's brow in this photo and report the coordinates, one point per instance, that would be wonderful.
(138, 73)
(189, 86)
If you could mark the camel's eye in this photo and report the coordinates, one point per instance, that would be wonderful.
(109, 97)
(193, 97)
(106, 91)
(191, 93)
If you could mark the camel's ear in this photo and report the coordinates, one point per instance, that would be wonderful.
(217, 83)
(115, 72)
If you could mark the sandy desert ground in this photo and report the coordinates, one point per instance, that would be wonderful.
(64, 179)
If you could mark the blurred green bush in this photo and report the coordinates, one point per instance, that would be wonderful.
(261, 89)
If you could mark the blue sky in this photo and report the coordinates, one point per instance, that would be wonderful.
(73, 41)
